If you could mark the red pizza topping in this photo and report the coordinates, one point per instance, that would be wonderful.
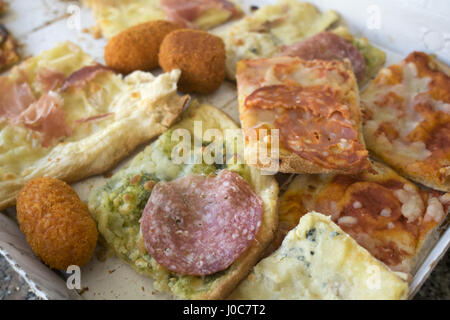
(313, 124)
(200, 225)
(327, 46)
(185, 13)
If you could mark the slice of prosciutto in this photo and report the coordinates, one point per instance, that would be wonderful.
(83, 75)
(184, 12)
(327, 46)
(199, 225)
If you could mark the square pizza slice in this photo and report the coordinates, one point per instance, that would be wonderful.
(114, 16)
(407, 119)
(314, 107)
(65, 116)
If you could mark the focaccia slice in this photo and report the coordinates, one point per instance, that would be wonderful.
(318, 260)
(118, 206)
(262, 33)
(407, 119)
(114, 16)
(385, 213)
(8, 49)
(62, 115)
(314, 105)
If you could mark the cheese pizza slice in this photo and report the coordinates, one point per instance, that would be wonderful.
(407, 119)
(114, 16)
(62, 115)
(386, 214)
(8, 49)
(309, 108)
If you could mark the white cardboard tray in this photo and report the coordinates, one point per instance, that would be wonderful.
(397, 26)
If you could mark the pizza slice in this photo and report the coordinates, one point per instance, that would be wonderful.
(114, 16)
(3, 6)
(195, 227)
(313, 107)
(339, 44)
(261, 34)
(407, 119)
(65, 116)
(8, 49)
(319, 261)
(386, 214)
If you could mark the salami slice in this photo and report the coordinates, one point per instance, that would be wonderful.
(199, 225)
(327, 46)
(313, 123)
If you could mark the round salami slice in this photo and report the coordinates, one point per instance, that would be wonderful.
(327, 46)
(199, 225)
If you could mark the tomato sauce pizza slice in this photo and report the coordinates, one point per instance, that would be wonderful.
(386, 214)
(407, 119)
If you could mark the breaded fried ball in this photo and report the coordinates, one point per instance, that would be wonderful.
(56, 224)
(136, 48)
(199, 55)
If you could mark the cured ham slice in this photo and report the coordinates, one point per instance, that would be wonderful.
(327, 46)
(185, 13)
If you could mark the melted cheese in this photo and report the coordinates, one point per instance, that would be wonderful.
(385, 213)
(108, 93)
(406, 112)
(412, 204)
(114, 16)
(318, 260)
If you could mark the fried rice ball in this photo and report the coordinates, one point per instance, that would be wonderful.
(136, 48)
(56, 223)
(199, 55)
